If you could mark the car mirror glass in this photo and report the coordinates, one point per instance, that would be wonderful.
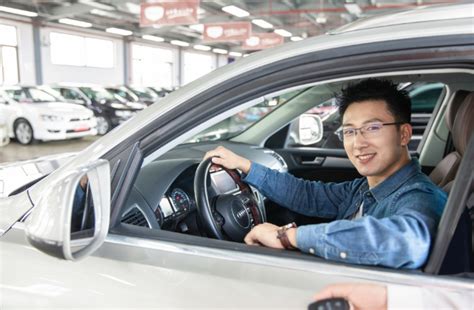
(71, 218)
(310, 129)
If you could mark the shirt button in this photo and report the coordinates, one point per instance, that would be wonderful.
(343, 255)
(311, 250)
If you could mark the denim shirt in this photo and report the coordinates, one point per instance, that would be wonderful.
(400, 215)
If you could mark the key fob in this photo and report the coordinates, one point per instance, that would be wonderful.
(329, 304)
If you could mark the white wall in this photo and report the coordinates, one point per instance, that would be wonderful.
(26, 55)
(62, 73)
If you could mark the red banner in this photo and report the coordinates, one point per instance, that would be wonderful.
(260, 41)
(169, 12)
(219, 32)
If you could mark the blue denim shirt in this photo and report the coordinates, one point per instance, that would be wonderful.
(400, 215)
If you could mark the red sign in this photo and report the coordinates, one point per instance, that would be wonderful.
(218, 32)
(169, 12)
(259, 41)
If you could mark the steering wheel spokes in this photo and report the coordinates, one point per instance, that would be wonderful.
(226, 216)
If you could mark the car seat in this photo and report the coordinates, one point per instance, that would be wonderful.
(452, 249)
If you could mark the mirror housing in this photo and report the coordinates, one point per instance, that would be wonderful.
(48, 227)
(310, 129)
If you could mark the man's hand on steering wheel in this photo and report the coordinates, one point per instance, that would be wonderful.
(228, 159)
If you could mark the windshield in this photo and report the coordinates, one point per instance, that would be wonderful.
(144, 92)
(238, 123)
(98, 94)
(35, 95)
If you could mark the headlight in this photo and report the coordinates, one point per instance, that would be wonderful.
(124, 113)
(51, 118)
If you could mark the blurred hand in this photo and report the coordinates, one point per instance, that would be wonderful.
(83, 182)
(360, 296)
(224, 157)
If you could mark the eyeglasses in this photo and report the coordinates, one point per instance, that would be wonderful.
(367, 131)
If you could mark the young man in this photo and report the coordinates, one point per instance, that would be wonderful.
(387, 218)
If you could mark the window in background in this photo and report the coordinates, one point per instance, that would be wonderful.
(152, 66)
(196, 65)
(9, 73)
(75, 50)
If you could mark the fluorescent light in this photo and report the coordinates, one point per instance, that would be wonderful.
(74, 22)
(262, 23)
(153, 38)
(99, 12)
(235, 54)
(119, 31)
(18, 11)
(232, 9)
(197, 27)
(98, 5)
(283, 32)
(219, 51)
(179, 43)
(296, 38)
(133, 7)
(202, 47)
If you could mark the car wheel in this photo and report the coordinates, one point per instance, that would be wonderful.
(24, 132)
(103, 125)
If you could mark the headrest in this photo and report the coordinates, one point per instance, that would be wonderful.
(453, 107)
(463, 124)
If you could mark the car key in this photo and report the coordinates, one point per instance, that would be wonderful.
(329, 304)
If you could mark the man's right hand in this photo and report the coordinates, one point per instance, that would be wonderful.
(224, 157)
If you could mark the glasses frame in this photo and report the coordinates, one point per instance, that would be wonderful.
(340, 132)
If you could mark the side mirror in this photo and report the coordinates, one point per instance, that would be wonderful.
(310, 129)
(71, 218)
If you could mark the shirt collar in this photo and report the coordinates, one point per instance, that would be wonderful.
(393, 182)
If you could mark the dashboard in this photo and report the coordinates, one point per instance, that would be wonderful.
(163, 194)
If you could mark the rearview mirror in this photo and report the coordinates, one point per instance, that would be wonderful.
(71, 218)
(310, 129)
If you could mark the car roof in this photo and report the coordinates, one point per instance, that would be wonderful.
(415, 15)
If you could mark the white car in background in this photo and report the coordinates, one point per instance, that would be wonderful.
(4, 138)
(34, 114)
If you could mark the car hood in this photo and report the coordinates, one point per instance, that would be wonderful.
(58, 108)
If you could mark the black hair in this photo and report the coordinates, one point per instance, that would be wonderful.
(398, 102)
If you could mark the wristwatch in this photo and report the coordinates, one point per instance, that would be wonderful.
(283, 237)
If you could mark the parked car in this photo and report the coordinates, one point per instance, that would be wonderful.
(33, 114)
(4, 138)
(145, 94)
(128, 95)
(140, 230)
(109, 110)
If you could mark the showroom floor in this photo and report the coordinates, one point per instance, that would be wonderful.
(16, 152)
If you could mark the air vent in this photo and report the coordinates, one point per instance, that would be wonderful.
(278, 158)
(135, 217)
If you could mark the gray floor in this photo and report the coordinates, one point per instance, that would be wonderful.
(15, 152)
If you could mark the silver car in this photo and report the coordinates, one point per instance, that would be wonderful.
(139, 238)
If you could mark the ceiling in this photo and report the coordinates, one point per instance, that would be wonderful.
(303, 18)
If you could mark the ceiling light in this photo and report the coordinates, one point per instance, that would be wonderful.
(235, 54)
(232, 9)
(18, 11)
(262, 23)
(99, 12)
(179, 43)
(153, 38)
(74, 22)
(219, 51)
(296, 38)
(197, 27)
(283, 32)
(202, 47)
(133, 7)
(119, 31)
(98, 5)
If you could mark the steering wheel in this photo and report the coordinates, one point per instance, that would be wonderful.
(225, 216)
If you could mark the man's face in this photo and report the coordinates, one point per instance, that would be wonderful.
(378, 154)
